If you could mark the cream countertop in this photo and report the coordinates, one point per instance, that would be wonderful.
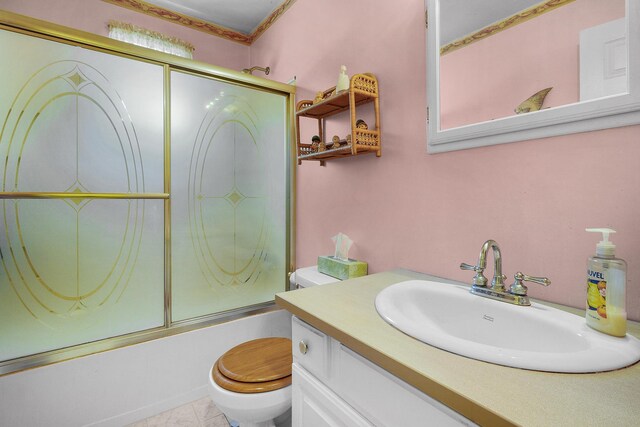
(487, 394)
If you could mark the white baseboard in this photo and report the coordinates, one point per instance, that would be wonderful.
(152, 409)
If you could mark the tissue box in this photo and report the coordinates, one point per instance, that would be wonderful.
(340, 269)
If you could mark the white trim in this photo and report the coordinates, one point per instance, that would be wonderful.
(152, 409)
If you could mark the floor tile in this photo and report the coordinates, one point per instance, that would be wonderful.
(181, 416)
(201, 413)
(219, 421)
(205, 409)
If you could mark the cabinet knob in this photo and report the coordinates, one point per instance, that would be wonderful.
(303, 347)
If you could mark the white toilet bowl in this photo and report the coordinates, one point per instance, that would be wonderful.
(265, 408)
(251, 409)
(251, 383)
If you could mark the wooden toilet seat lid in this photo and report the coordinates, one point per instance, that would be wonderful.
(242, 387)
(258, 361)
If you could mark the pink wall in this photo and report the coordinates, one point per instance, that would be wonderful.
(431, 212)
(407, 208)
(512, 65)
(93, 15)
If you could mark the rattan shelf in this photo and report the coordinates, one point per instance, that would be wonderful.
(363, 89)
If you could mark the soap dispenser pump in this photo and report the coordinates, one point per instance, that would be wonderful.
(606, 282)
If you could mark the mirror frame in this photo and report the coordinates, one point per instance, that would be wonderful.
(602, 113)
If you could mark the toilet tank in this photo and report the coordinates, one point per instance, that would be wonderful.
(309, 276)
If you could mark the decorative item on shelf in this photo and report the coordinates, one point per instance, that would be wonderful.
(361, 139)
(533, 103)
(336, 142)
(361, 124)
(343, 80)
(315, 141)
(306, 103)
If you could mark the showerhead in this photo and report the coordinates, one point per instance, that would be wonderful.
(252, 69)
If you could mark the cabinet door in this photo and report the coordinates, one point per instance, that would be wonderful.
(315, 358)
(314, 405)
(383, 398)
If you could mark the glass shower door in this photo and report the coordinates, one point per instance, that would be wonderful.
(81, 236)
(136, 201)
(228, 195)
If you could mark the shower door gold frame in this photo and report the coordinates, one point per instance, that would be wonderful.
(49, 31)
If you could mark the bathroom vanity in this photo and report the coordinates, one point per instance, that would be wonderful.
(352, 368)
(333, 385)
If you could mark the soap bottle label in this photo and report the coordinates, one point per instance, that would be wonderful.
(596, 295)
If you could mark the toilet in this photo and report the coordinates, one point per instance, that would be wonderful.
(251, 383)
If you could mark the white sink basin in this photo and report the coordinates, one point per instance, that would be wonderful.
(536, 337)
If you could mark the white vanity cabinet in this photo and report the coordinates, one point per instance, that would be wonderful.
(334, 386)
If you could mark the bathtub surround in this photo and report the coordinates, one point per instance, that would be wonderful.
(122, 386)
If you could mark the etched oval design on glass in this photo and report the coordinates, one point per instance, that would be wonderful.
(68, 131)
(227, 194)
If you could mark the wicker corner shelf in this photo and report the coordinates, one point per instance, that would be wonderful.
(363, 88)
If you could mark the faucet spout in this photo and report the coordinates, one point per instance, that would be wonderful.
(497, 283)
(517, 293)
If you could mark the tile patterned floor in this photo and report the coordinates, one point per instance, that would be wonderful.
(201, 413)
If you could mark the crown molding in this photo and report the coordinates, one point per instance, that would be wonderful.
(201, 25)
(507, 23)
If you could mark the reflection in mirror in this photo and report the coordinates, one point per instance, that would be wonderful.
(509, 71)
(486, 74)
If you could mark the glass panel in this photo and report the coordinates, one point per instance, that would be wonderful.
(77, 269)
(228, 192)
(76, 120)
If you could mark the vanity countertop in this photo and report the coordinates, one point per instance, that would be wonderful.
(487, 394)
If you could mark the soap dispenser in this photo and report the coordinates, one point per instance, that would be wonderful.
(343, 80)
(606, 282)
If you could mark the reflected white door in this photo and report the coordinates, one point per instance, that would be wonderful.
(603, 60)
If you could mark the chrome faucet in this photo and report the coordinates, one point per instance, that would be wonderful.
(497, 283)
(517, 293)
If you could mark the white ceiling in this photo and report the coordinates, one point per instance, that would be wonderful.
(459, 18)
(242, 16)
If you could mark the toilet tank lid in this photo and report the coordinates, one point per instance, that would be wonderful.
(310, 276)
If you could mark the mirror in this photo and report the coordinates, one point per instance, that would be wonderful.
(547, 68)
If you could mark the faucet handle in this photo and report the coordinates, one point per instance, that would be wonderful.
(465, 266)
(518, 288)
(478, 279)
